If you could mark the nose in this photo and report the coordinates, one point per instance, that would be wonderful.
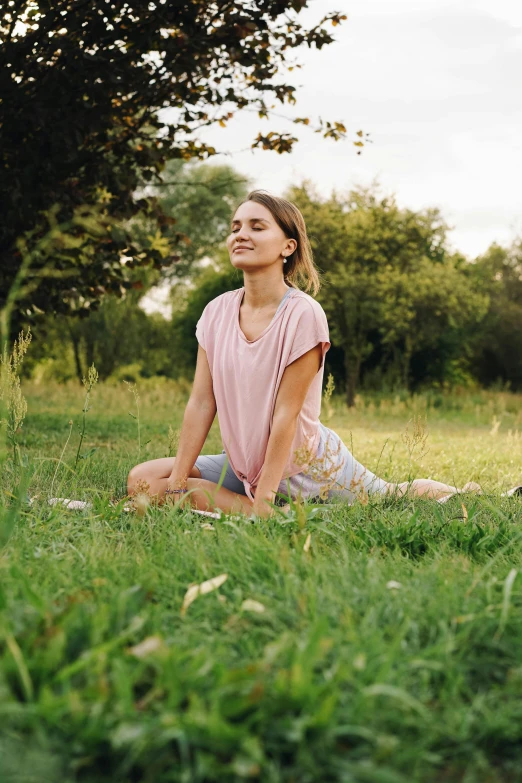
(241, 235)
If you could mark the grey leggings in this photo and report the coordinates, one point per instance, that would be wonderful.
(211, 465)
(336, 473)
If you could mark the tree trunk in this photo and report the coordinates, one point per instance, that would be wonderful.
(76, 350)
(353, 369)
(406, 360)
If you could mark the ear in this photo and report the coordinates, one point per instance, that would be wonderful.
(290, 246)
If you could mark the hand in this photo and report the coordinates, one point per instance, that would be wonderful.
(262, 508)
(175, 499)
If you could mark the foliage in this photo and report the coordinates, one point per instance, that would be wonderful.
(404, 312)
(42, 265)
(202, 199)
(368, 643)
(391, 287)
(82, 91)
(119, 333)
(497, 347)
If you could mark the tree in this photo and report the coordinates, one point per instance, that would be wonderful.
(82, 86)
(429, 310)
(390, 284)
(497, 345)
(201, 198)
(118, 332)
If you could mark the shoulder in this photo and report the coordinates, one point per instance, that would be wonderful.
(221, 303)
(304, 306)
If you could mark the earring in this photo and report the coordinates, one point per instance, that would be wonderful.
(284, 260)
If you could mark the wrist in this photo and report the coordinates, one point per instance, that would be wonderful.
(263, 491)
(176, 483)
(175, 491)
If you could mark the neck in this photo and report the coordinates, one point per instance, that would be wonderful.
(264, 288)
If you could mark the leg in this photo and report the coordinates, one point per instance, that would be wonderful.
(151, 478)
(349, 479)
(428, 488)
(205, 496)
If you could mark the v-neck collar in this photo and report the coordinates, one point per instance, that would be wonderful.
(288, 295)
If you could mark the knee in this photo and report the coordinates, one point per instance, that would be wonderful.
(398, 490)
(136, 475)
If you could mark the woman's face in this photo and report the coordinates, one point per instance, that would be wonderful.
(256, 240)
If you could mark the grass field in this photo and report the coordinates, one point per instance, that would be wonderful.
(377, 643)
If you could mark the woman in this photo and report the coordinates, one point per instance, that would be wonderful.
(260, 366)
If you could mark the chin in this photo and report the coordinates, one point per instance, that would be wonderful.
(241, 263)
(249, 264)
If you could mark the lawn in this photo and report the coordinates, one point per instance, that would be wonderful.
(375, 643)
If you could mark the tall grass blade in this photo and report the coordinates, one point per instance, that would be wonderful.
(17, 655)
(506, 601)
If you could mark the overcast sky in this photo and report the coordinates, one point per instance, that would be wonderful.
(438, 87)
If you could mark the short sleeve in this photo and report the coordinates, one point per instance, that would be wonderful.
(310, 330)
(201, 328)
(213, 321)
(200, 333)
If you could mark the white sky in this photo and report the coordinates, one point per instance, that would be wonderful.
(438, 87)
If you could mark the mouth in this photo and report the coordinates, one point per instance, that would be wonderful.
(237, 249)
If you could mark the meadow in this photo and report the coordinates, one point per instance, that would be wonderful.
(374, 643)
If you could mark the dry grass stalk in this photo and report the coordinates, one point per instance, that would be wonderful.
(415, 438)
(134, 391)
(140, 497)
(61, 456)
(13, 402)
(324, 469)
(173, 441)
(358, 489)
(495, 425)
(141, 503)
(327, 396)
(89, 383)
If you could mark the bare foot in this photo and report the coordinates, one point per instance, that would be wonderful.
(472, 486)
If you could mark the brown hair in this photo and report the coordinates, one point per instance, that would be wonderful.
(299, 270)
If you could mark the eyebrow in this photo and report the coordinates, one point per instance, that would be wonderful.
(251, 220)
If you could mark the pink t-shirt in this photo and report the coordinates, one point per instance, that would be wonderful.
(246, 376)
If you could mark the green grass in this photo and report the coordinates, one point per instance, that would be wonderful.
(389, 649)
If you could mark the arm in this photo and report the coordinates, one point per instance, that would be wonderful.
(197, 420)
(291, 395)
